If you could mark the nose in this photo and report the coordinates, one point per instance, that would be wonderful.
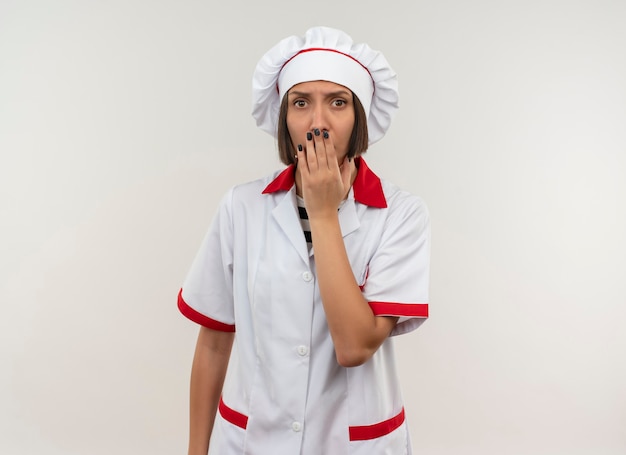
(319, 117)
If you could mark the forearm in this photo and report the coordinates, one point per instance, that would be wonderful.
(356, 331)
(207, 379)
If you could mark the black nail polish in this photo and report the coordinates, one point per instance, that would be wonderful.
(309, 136)
(325, 134)
(316, 131)
(299, 147)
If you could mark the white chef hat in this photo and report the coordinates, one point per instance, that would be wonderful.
(325, 54)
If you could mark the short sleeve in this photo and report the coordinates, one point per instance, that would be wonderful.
(207, 293)
(397, 282)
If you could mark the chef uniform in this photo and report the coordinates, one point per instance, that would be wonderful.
(285, 393)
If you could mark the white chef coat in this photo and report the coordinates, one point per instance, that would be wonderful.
(285, 393)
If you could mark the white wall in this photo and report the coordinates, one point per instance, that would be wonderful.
(123, 122)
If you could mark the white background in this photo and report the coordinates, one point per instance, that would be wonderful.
(123, 122)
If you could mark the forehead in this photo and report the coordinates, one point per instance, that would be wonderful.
(319, 87)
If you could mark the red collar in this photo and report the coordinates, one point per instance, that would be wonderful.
(367, 187)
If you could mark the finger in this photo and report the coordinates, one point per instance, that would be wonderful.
(301, 163)
(320, 149)
(331, 152)
(347, 168)
(311, 153)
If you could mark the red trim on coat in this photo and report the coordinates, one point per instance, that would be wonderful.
(232, 416)
(283, 182)
(377, 430)
(357, 433)
(367, 186)
(200, 318)
(417, 310)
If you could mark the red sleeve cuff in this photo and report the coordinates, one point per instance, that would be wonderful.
(201, 319)
(414, 310)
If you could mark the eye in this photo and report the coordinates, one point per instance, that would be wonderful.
(339, 103)
(299, 103)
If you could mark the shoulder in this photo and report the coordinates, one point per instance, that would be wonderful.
(402, 204)
(249, 191)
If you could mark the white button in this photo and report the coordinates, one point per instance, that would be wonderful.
(307, 276)
(303, 350)
(296, 426)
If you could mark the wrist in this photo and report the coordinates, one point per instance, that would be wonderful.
(324, 223)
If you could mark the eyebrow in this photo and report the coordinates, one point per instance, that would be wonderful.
(345, 93)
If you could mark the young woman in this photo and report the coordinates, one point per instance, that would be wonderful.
(315, 268)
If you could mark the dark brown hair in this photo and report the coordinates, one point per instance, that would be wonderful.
(358, 139)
